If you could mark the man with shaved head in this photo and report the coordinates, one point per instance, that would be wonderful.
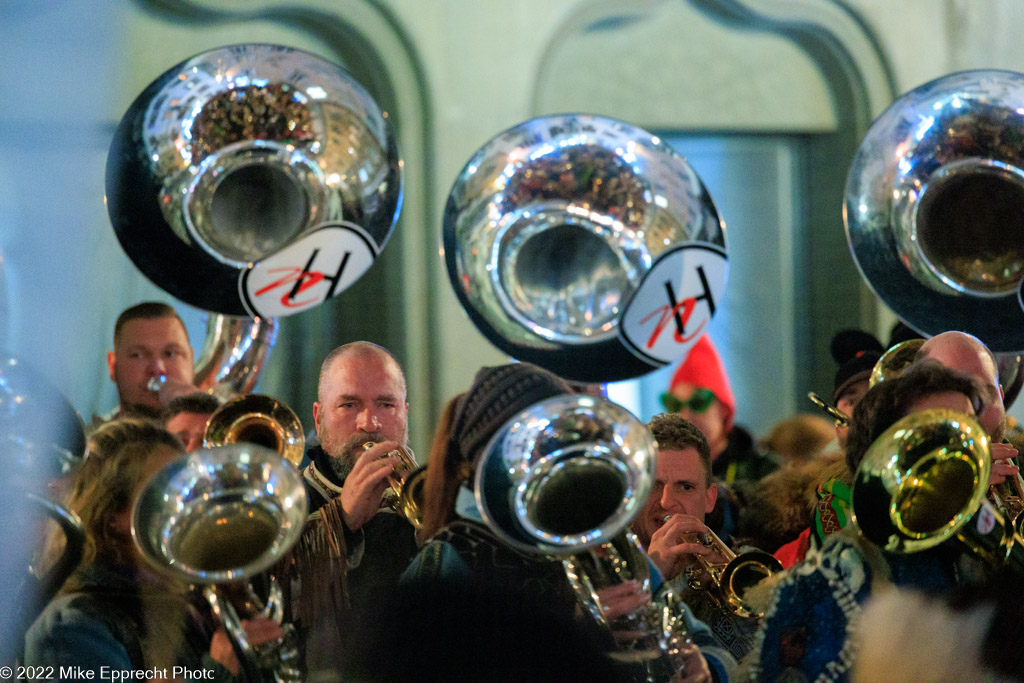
(353, 548)
(360, 400)
(967, 355)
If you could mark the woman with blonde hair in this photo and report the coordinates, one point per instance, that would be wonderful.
(115, 611)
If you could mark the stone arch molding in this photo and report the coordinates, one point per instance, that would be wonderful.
(662, 64)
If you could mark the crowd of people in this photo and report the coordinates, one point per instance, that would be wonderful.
(370, 596)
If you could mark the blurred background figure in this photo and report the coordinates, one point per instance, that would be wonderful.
(967, 635)
(700, 392)
(187, 416)
(799, 439)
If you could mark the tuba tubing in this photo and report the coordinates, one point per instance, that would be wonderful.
(563, 479)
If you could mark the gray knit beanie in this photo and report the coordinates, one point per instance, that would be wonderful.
(497, 394)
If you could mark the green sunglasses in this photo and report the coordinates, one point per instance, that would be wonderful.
(698, 403)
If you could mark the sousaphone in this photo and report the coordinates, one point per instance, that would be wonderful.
(585, 245)
(254, 180)
(934, 207)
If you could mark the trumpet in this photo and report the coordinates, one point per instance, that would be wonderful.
(405, 484)
(730, 578)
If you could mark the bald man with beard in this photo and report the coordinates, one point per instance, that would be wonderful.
(353, 548)
(969, 356)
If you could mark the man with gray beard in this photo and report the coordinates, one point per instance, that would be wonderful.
(360, 400)
(353, 548)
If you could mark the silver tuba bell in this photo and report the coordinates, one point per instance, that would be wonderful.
(585, 245)
(563, 479)
(219, 518)
(254, 180)
(934, 207)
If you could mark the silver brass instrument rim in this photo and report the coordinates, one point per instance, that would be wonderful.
(254, 498)
(933, 204)
(589, 454)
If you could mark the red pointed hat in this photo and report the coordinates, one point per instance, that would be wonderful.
(703, 368)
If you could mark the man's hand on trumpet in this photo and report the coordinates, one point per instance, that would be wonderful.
(1002, 468)
(675, 546)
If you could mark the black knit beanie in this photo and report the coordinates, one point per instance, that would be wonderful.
(856, 352)
(497, 394)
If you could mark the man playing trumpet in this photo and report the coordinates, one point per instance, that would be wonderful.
(671, 528)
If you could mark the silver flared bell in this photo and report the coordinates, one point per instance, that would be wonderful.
(934, 207)
(220, 514)
(585, 245)
(254, 180)
(566, 474)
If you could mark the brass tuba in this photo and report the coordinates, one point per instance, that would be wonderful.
(585, 245)
(924, 482)
(260, 420)
(254, 180)
(219, 518)
(563, 479)
(934, 207)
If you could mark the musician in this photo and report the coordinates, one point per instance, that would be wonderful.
(815, 605)
(115, 611)
(458, 545)
(461, 551)
(187, 416)
(671, 524)
(352, 551)
(150, 342)
(856, 353)
(967, 354)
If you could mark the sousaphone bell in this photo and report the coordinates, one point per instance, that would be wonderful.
(934, 207)
(254, 180)
(585, 245)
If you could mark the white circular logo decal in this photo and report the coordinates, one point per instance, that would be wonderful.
(986, 518)
(674, 303)
(308, 271)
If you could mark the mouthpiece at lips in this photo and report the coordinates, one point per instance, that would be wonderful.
(156, 383)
